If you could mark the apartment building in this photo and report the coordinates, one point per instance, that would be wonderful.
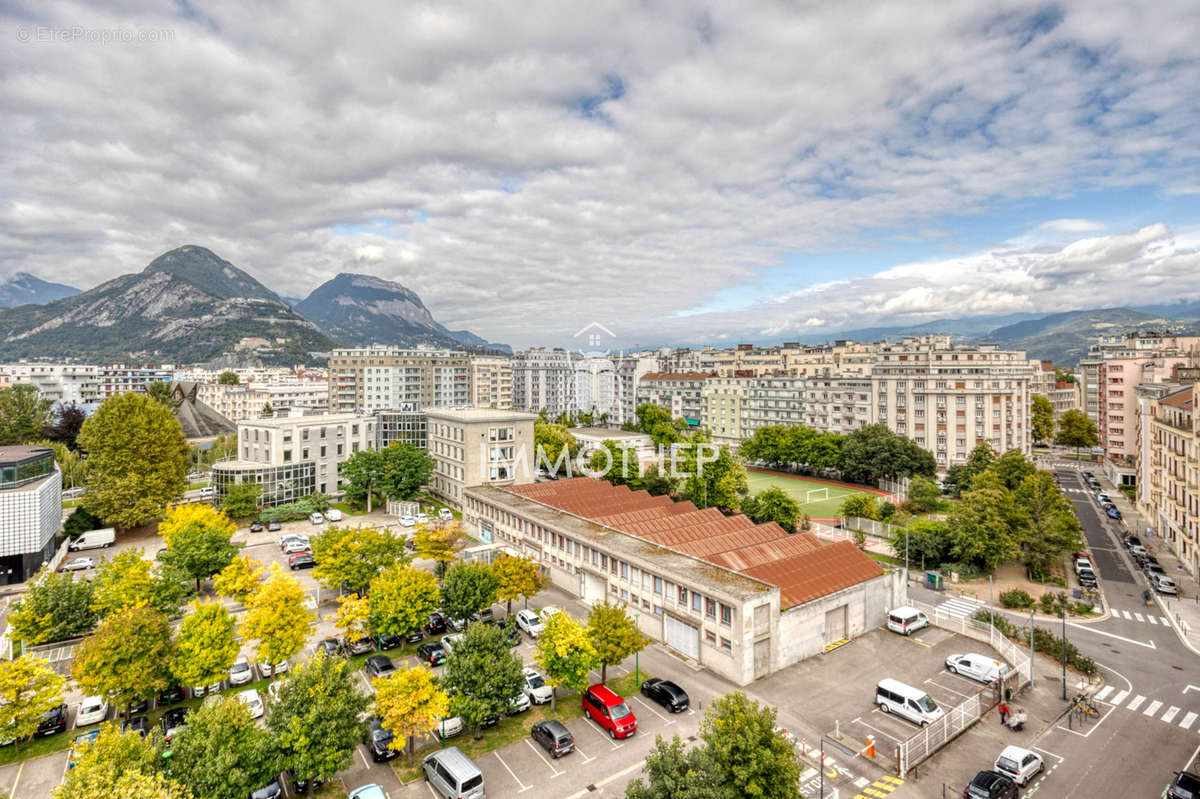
(1168, 477)
(1064, 397)
(491, 382)
(772, 401)
(479, 446)
(119, 378)
(630, 369)
(596, 387)
(546, 379)
(838, 404)
(58, 382)
(236, 403)
(380, 377)
(679, 392)
(723, 408)
(308, 395)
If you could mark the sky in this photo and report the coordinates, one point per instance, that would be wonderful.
(678, 172)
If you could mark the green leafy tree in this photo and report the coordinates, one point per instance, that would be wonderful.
(981, 527)
(104, 768)
(222, 753)
(129, 658)
(320, 502)
(28, 689)
(614, 635)
(616, 464)
(672, 770)
(64, 426)
(80, 522)
(276, 617)
(354, 556)
(121, 581)
(315, 720)
(482, 675)
(200, 550)
(553, 447)
(1012, 468)
(566, 655)
(468, 588)
(267, 411)
(227, 378)
(168, 589)
(1076, 430)
(401, 599)
(516, 577)
(752, 756)
(71, 463)
(207, 645)
(240, 500)
(772, 505)
(714, 483)
(405, 470)
(861, 505)
(1042, 423)
(23, 414)
(874, 451)
(657, 482)
(410, 703)
(438, 542)
(54, 608)
(138, 459)
(1049, 525)
(361, 476)
(239, 579)
(923, 495)
(160, 392)
(928, 542)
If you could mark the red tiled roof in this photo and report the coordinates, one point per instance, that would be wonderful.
(805, 577)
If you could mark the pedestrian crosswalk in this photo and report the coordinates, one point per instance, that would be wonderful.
(960, 607)
(1149, 618)
(1164, 712)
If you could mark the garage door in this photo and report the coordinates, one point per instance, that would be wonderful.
(835, 625)
(683, 637)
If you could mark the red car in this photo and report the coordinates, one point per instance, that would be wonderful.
(610, 711)
(301, 560)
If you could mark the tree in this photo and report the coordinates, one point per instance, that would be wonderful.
(320, 502)
(239, 579)
(80, 522)
(160, 392)
(614, 635)
(1049, 526)
(129, 657)
(401, 599)
(980, 527)
(405, 469)
(240, 500)
(553, 443)
(116, 758)
(120, 582)
(439, 543)
(1012, 468)
(923, 495)
(64, 426)
(674, 771)
(54, 608)
(617, 464)
(361, 474)
(23, 414)
(772, 505)
(874, 451)
(228, 378)
(276, 617)
(28, 689)
(138, 459)
(315, 719)
(71, 463)
(928, 541)
(267, 411)
(199, 540)
(353, 557)
(566, 655)
(168, 589)
(467, 589)
(207, 645)
(222, 753)
(1042, 425)
(1076, 430)
(351, 616)
(861, 505)
(516, 577)
(658, 483)
(482, 675)
(719, 482)
(410, 703)
(753, 757)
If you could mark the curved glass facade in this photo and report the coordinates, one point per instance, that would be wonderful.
(37, 464)
(277, 484)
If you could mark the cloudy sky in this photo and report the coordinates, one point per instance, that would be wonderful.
(677, 171)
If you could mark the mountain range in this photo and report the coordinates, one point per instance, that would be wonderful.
(26, 289)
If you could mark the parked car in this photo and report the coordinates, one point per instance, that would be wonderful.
(300, 785)
(536, 689)
(296, 544)
(1083, 563)
(359, 646)
(554, 737)
(253, 700)
(301, 560)
(432, 652)
(173, 694)
(53, 720)
(530, 622)
(450, 641)
(445, 514)
(380, 666)
(78, 565)
(990, 785)
(1019, 764)
(609, 711)
(173, 721)
(906, 620)
(78, 743)
(408, 521)
(1087, 578)
(414, 636)
(456, 624)
(201, 690)
(389, 641)
(518, 704)
(1164, 584)
(1186, 785)
(369, 791)
(666, 693)
(333, 515)
(436, 624)
(329, 646)
(378, 740)
(207, 491)
(316, 518)
(451, 775)
(1132, 541)
(272, 790)
(1103, 497)
(240, 672)
(422, 518)
(274, 527)
(1113, 513)
(547, 612)
(92, 710)
(256, 527)
(138, 724)
(511, 633)
(452, 726)
(265, 669)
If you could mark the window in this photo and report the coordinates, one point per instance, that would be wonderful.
(683, 592)
(634, 599)
(624, 571)
(726, 615)
(710, 608)
(287, 456)
(340, 448)
(658, 611)
(727, 645)
(658, 586)
(710, 637)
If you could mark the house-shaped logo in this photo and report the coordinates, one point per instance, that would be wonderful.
(596, 335)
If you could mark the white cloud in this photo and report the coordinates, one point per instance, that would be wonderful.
(1072, 226)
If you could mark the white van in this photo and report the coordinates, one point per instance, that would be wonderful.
(906, 620)
(910, 703)
(94, 540)
(976, 666)
(316, 518)
(333, 515)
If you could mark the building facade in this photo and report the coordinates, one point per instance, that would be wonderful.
(682, 393)
(326, 441)
(479, 446)
(236, 403)
(407, 425)
(377, 377)
(491, 382)
(118, 378)
(1169, 467)
(64, 383)
(30, 510)
(544, 379)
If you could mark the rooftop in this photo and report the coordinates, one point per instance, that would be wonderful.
(316, 419)
(677, 376)
(479, 415)
(19, 454)
(608, 433)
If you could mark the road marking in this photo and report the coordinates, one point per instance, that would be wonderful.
(810, 773)
(1119, 698)
(1191, 688)
(364, 758)
(861, 782)
(931, 681)
(557, 773)
(1048, 752)
(875, 729)
(652, 710)
(591, 725)
(1166, 622)
(586, 759)
(16, 781)
(524, 787)
(1147, 644)
(1103, 692)
(1136, 702)
(1127, 616)
(601, 783)
(1139, 616)
(1187, 721)
(1151, 619)
(1170, 715)
(1152, 708)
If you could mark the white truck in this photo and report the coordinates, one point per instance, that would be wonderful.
(94, 540)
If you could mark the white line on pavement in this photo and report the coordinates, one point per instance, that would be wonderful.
(586, 759)
(1103, 692)
(1136, 702)
(1151, 619)
(1139, 616)
(556, 773)
(1170, 715)
(1126, 614)
(1119, 698)
(1187, 721)
(1147, 644)
(1152, 708)
(623, 772)
(524, 787)
(641, 702)
(364, 758)
(1166, 622)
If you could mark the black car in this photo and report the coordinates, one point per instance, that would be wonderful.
(272, 790)
(388, 641)
(139, 707)
(256, 527)
(379, 666)
(274, 527)
(329, 647)
(138, 724)
(432, 652)
(414, 636)
(378, 740)
(554, 736)
(301, 560)
(1186, 785)
(52, 721)
(436, 624)
(300, 785)
(1132, 541)
(170, 696)
(172, 721)
(1089, 475)
(511, 633)
(990, 785)
(666, 693)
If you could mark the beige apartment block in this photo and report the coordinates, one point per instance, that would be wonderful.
(491, 382)
(724, 407)
(1169, 468)
(479, 447)
(378, 377)
(680, 393)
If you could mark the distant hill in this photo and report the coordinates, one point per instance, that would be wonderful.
(359, 310)
(26, 289)
(1065, 337)
(187, 305)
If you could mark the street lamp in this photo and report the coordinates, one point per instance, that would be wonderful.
(637, 675)
(1064, 650)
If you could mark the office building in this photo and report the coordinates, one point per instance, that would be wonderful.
(30, 510)
(479, 446)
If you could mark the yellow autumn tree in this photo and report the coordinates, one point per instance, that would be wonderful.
(438, 542)
(180, 516)
(351, 616)
(239, 579)
(410, 703)
(516, 577)
(276, 617)
(28, 688)
(206, 643)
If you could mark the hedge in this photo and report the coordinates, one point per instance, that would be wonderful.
(1044, 641)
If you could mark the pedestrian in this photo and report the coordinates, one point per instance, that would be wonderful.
(1003, 713)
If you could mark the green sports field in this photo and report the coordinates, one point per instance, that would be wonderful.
(798, 488)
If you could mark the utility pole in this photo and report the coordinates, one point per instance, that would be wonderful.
(1031, 648)
(906, 523)
(1064, 650)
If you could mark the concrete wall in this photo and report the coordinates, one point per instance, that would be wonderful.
(802, 628)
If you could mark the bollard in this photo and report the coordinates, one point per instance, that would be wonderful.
(870, 746)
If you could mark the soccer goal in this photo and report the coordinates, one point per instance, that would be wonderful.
(819, 493)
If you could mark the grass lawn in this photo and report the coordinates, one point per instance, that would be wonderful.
(798, 489)
(349, 510)
(510, 730)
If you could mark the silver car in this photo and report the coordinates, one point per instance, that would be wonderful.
(79, 565)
